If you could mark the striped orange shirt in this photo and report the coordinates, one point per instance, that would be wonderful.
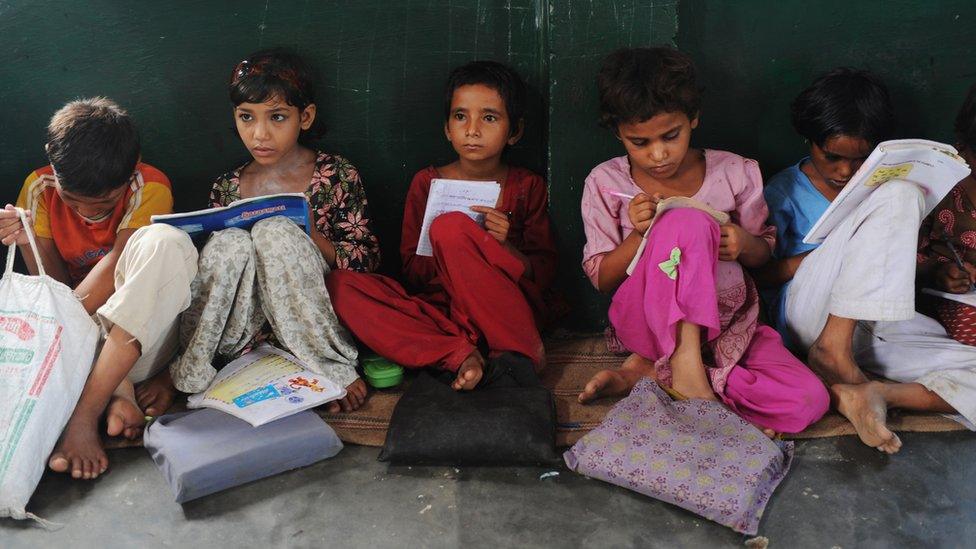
(81, 243)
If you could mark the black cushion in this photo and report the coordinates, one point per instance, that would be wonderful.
(509, 419)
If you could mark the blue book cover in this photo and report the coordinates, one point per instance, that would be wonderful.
(241, 214)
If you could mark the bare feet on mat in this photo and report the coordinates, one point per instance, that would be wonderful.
(123, 417)
(156, 394)
(865, 407)
(79, 452)
(617, 382)
(469, 373)
(355, 397)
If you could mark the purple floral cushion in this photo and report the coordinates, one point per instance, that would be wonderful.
(696, 454)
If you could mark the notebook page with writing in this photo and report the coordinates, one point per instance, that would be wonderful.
(455, 195)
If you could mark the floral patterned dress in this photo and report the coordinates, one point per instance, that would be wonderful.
(954, 219)
(338, 208)
(268, 284)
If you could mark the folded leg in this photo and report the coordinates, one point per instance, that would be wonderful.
(291, 277)
(482, 279)
(407, 330)
(225, 311)
(773, 389)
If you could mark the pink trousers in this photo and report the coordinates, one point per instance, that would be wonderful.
(679, 278)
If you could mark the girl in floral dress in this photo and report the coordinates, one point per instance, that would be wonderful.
(269, 282)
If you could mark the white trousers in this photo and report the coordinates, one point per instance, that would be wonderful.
(152, 288)
(865, 270)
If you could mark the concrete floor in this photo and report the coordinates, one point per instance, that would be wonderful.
(838, 494)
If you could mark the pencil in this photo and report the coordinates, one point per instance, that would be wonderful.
(955, 254)
(613, 192)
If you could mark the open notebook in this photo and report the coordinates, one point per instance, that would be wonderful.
(455, 195)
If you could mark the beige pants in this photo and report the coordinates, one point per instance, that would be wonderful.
(273, 274)
(152, 288)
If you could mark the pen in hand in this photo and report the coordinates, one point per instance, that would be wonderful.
(955, 254)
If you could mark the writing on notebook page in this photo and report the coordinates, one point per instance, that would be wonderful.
(455, 195)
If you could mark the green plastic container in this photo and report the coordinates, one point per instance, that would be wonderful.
(381, 373)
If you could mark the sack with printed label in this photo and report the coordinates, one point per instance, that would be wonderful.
(47, 343)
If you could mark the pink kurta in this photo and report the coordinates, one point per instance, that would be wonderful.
(732, 184)
(748, 365)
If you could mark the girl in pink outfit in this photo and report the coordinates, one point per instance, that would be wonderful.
(689, 312)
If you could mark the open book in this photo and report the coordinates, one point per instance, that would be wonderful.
(455, 195)
(670, 204)
(264, 385)
(933, 166)
(241, 214)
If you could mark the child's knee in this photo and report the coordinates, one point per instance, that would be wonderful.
(228, 238)
(902, 195)
(685, 219)
(162, 242)
(226, 255)
(451, 229)
(273, 229)
(689, 224)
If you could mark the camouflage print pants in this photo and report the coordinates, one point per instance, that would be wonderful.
(273, 274)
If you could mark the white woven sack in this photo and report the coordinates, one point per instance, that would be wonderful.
(47, 343)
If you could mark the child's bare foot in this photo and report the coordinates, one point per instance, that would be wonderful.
(123, 417)
(689, 378)
(156, 394)
(617, 382)
(355, 397)
(79, 452)
(469, 373)
(864, 405)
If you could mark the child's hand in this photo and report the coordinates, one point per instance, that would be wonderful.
(732, 243)
(642, 209)
(952, 279)
(11, 229)
(496, 222)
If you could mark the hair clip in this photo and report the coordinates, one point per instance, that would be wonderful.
(243, 69)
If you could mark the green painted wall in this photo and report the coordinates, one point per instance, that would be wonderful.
(756, 56)
(382, 65)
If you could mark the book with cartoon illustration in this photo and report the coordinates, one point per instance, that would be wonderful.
(241, 214)
(935, 167)
(670, 204)
(264, 385)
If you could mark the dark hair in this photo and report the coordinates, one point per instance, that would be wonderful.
(636, 84)
(497, 76)
(965, 126)
(93, 146)
(844, 101)
(276, 73)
